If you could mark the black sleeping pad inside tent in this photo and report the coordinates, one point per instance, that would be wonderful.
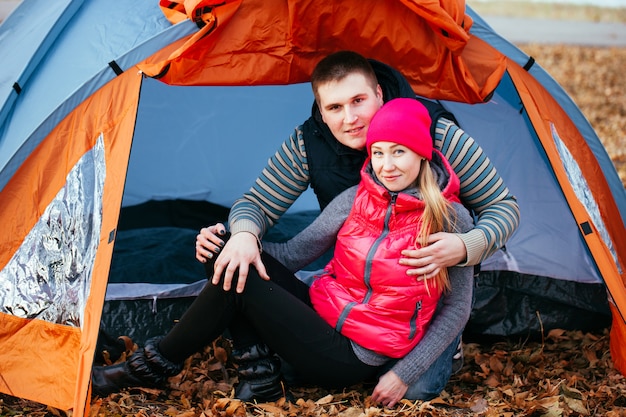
(508, 303)
(188, 214)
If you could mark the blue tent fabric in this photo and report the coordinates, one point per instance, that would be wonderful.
(22, 54)
(76, 48)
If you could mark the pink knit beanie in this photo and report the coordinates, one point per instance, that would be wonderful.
(404, 121)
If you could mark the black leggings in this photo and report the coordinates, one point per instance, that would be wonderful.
(278, 313)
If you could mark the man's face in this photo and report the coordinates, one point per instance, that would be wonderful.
(347, 106)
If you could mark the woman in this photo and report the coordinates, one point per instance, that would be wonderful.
(364, 317)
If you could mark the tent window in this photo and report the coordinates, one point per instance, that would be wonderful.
(581, 189)
(49, 276)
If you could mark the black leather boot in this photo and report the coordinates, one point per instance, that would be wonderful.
(144, 368)
(259, 374)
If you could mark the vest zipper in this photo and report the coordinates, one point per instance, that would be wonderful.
(368, 264)
(372, 252)
(413, 322)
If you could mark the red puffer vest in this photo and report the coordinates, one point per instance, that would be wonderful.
(364, 293)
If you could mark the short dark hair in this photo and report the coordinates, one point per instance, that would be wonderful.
(337, 66)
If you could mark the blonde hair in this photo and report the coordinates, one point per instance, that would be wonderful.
(438, 213)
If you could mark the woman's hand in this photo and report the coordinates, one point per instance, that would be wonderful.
(444, 250)
(389, 390)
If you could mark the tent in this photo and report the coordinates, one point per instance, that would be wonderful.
(126, 125)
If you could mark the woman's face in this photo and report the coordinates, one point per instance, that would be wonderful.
(395, 166)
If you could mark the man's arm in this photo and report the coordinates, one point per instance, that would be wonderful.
(281, 182)
(482, 190)
(315, 239)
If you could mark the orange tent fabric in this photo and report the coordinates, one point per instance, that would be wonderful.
(56, 357)
(278, 42)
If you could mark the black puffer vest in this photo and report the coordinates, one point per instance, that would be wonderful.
(334, 167)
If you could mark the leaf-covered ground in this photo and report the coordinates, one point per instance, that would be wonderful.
(564, 374)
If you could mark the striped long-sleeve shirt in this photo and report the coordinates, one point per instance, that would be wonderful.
(286, 177)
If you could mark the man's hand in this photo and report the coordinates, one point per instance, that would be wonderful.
(238, 254)
(444, 250)
(389, 390)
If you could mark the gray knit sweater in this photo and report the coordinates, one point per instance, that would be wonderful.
(450, 318)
